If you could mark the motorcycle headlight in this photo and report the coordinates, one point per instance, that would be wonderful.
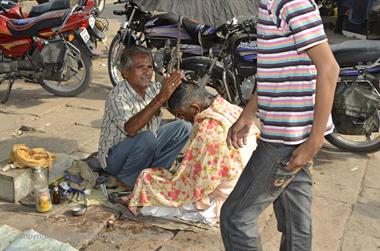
(101, 24)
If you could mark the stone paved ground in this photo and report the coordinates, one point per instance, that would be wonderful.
(346, 209)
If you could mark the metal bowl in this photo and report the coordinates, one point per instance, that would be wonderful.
(79, 210)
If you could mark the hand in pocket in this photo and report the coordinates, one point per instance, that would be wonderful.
(280, 177)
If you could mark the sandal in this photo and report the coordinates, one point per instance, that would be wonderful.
(114, 197)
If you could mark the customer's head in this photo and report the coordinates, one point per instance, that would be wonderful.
(188, 100)
(136, 66)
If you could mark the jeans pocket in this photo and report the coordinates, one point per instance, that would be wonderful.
(279, 177)
(307, 169)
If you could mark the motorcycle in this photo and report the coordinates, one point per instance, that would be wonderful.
(227, 53)
(226, 57)
(100, 5)
(12, 9)
(356, 109)
(52, 47)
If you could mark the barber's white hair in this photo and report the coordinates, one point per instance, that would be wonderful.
(126, 59)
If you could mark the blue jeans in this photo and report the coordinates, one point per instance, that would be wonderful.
(128, 158)
(265, 181)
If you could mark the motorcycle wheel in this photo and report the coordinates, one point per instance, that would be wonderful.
(358, 143)
(100, 4)
(114, 54)
(198, 68)
(76, 84)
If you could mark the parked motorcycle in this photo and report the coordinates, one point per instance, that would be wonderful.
(229, 49)
(355, 112)
(51, 47)
(100, 4)
(12, 9)
(226, 57)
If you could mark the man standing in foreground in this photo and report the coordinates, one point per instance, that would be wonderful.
(296, 77)
(131, 138)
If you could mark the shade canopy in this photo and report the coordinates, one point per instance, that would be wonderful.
(211, 12)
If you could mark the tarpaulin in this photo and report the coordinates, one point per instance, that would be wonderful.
(214, 13)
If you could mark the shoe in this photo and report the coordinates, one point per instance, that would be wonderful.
(117, 197)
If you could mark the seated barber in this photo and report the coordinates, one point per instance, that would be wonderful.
(209, 170)
(131, 138)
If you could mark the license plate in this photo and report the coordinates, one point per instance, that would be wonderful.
(91, 21)
(85, 36)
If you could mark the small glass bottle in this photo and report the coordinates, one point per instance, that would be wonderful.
(56, 195)
(41, 191)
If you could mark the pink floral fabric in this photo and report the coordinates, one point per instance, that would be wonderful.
(207, 163)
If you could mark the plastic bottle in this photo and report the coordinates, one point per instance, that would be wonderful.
(41, 191)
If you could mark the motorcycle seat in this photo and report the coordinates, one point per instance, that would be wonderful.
(194, 28)
(191, 27)
(30, 26)
(349, 53)
(49, 6)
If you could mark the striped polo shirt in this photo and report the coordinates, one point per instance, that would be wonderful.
(286, 76)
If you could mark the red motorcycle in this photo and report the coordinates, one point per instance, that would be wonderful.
(52, 45)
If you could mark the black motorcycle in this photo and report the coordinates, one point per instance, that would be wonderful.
(225, 55)
(355, 112)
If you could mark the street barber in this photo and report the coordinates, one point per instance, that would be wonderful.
(131, 137)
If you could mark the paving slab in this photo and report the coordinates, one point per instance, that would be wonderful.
(78, 231)
(354, 241)
(372, 177)
(365, 219)
(11, 123)
(72, 124)
(338, 175)
(270, 237)
(329, 220)
(370, 197)
(34, 241)
(95, 105)
(89, 147)
(54, 144)
(20, 217)
(8, 234)
(100, 73)
(65, 119)
(31, 99)
(190, 241)
(128, 235)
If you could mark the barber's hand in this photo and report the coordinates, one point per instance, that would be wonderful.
(238, 133)
(304, 153)
(171, 82)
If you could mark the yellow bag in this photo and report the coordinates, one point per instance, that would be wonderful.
(23, 156)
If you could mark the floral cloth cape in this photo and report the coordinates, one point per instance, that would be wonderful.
(207, 164)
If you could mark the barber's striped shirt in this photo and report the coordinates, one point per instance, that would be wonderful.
(122, 104)
(286, 76)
